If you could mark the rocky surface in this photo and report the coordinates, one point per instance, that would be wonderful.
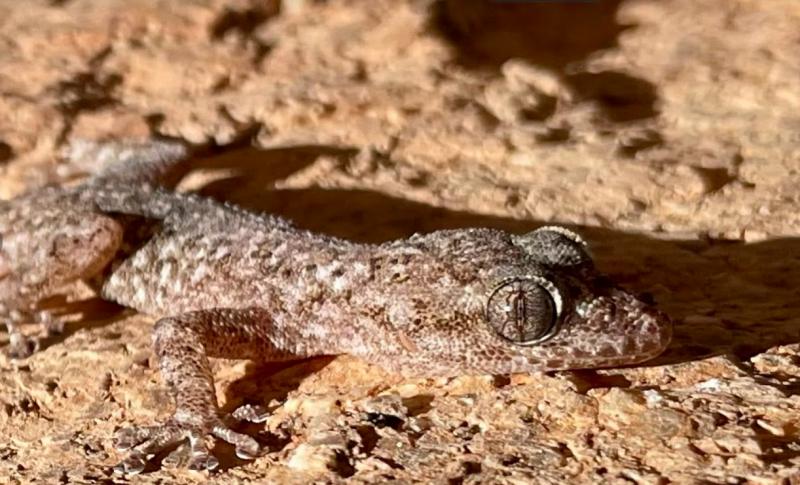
(668, 132)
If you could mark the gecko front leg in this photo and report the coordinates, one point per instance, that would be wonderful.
(44, 245)
(183, 345)
(54, 236)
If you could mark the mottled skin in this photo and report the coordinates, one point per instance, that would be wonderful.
(229, 283)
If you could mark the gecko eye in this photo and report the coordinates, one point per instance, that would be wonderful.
(524, 311)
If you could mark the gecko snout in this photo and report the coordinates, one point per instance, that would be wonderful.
(657, 331)
(616, 328)
(648, 330)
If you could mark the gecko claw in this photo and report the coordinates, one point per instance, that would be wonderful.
(144, 442)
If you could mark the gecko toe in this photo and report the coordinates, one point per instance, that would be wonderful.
(127, 438)
(20, 346)
(246, 447)
(250, 412)
(178, 457)
(199, 458)
(243, 454)
(142, 443)
(51, 324)
(202, 461)
(193, 455)
(191, 450)
(131, 465)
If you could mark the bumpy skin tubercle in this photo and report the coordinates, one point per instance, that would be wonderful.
(230, 283)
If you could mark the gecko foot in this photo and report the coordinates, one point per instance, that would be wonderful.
(144, 442)
(22, 346)
(51, 324)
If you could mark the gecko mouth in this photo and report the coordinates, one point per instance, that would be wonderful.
(649, 340)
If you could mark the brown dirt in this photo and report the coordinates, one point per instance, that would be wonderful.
(666, 131)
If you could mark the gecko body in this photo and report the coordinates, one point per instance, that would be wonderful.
(227, 282)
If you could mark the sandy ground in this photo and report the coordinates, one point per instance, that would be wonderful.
(667, 132)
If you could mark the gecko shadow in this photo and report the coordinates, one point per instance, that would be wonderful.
(483, 34)
(559, 36)
(264, 384)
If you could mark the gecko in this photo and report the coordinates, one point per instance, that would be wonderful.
(225, 282)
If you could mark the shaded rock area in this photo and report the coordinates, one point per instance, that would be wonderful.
(667, 132)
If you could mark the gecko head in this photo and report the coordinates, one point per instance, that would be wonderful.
(524, 303)
(562, 313)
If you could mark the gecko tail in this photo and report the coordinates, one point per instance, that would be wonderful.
(156, 163)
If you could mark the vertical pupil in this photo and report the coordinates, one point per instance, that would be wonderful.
(520, 312)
